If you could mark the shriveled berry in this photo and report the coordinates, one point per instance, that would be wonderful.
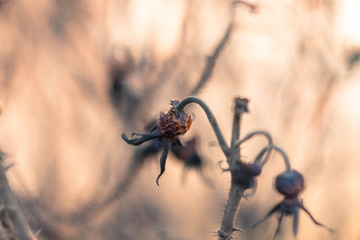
(244, 174)
(255, 169)
(174, 122)
(290, 183)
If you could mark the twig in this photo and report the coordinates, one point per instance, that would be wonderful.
(192, 99)
(252, 134)
(12, 207)
(277, 148)
(211, 60)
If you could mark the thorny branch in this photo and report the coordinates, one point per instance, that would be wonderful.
(236, 191)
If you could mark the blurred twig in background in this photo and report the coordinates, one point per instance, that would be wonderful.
(12, 219)
(74, 75)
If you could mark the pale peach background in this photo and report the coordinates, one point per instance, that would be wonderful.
(290, 58)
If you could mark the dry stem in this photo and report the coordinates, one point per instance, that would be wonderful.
(236, 191)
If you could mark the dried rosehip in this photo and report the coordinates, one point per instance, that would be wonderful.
(290, 183)
(191, 159)
(174, 122)
(167, 131)
(188, 154)
(244, 174)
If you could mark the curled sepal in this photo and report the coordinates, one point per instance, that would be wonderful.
(251, 192)
(280, 219)
(222, 168)
(269, 214)
(295, 213)
(290, 206)
(143, 138)
(313, 219)
(163, 160)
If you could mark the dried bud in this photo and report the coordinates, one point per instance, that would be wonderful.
(255, 169)
(174, 122)
(243, 174)
(290, 183)
(241, 105)
(188, 154)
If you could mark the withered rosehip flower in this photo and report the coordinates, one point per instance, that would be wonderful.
(168, 129)
(289, 184)
(188, 154)
(174, 122)
(191, 159)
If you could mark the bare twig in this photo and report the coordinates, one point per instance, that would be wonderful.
(12, 207)
(211, 60)
(252, 134)
(269, 148)
(211, 118)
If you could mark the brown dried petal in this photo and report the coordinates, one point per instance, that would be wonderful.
(174, 123)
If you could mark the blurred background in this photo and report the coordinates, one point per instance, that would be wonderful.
(75, 75)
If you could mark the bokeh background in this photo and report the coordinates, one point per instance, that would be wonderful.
(75, 75)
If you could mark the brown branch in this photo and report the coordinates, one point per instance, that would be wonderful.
(211, 60)
(12, 207)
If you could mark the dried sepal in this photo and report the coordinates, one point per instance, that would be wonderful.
(315, 221)
(163, 161)
(143, 138)
(269, 214)
(291, 207)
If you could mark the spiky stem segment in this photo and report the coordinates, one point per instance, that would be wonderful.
(236, 191)
(230, 212)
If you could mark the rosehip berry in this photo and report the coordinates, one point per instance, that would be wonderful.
(290, 183)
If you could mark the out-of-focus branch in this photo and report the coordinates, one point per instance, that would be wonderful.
(12, 207)
(211, 60)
